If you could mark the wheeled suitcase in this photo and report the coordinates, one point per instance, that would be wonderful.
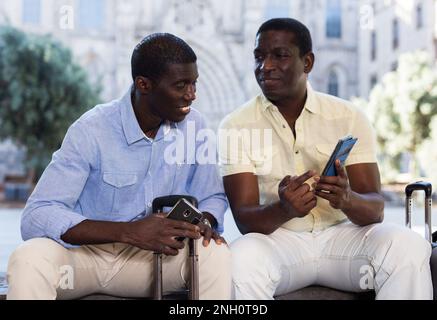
(427, 188)
(158, 205)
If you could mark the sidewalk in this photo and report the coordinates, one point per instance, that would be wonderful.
(10, 236)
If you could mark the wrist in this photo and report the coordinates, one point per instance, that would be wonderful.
(348, 203)
(211, 219)
(125, 234)
(284, 210)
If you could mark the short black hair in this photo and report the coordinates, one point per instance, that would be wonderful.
(301, 32)
(152, 55)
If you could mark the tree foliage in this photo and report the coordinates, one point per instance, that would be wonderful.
(403, 107)
(42, 91)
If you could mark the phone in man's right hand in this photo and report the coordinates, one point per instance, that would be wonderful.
(185, 211)
(341, 152)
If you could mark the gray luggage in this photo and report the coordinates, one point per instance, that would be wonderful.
(432, 238)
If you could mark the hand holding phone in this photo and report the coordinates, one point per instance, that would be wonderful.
(185, 211)
(341, 152)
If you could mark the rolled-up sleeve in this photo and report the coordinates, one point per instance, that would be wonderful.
(233, 157)
(49, 211)
(365, 149)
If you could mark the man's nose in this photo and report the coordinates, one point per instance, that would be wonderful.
(267, 64)
(190, 94)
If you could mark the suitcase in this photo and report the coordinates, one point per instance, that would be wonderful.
(432, 238)
(193, 294)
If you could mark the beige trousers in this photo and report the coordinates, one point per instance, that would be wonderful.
(43, 269)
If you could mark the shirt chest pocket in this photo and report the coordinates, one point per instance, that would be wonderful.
(119, 192)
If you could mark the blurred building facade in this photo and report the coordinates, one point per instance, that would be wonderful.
(103, 33)
(390, 28)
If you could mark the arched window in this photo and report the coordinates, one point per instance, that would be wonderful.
(277, 9)
(333, 85)
(31, 12)
(333, 19)
(91, 14)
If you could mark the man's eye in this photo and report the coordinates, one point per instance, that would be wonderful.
(180, 85)
(282, 55)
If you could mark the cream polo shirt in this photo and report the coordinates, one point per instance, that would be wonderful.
(257, 139)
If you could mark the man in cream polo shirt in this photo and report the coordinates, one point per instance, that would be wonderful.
(299, 228)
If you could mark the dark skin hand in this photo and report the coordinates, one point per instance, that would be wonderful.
(355, 191)
(296, 200)
(210, 233)
(296, 197)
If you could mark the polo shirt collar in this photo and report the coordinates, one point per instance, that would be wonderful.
(311, 103)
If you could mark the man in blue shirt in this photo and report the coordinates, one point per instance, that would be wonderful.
(89, 223)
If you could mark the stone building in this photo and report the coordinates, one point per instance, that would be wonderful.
(103, 33)
(390, 28)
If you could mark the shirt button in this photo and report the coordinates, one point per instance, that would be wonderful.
(297, 152)
(149, 204)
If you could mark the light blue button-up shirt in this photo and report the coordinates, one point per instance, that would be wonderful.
(108, 170)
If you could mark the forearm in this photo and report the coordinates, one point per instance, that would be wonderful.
(365, 209)
(261, 219)
(95, 232)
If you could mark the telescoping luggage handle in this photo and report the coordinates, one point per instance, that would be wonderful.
(427, 188)
(158, 205)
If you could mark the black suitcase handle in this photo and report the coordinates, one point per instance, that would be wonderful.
(169, 201)
(419, 185)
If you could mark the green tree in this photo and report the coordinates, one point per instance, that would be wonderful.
(402, 108)
(42, 91)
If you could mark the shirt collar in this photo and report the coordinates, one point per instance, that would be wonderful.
(163, 131)
(131, 128)
(311, 103)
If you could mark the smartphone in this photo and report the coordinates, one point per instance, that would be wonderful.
(185, 211)
(341, 152)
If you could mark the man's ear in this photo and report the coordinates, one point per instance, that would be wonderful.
(143, 85)
(308, 62)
